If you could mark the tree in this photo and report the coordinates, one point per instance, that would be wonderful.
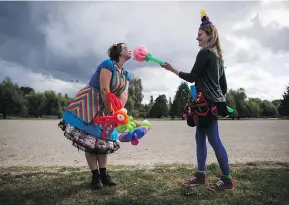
(135, 96)
(135, 90)
(12, 101)
(240, 97)
(268, 109)
(26, 90)
(284, 105)
(160, 107)
(180, 100)
(277, 103)
(36, 104)
(52, 105)
(253, 108)
(231, 103)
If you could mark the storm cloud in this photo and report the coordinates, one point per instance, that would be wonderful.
(67, 40)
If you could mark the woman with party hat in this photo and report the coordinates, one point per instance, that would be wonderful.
(209, 77)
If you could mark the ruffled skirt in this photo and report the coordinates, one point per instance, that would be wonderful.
(86, 142)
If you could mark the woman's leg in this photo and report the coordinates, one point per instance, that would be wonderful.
(93, 165)
(214, 139)
(201, 149)
(105, 178)
(199, 177)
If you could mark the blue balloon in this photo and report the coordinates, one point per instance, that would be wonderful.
(194, 92)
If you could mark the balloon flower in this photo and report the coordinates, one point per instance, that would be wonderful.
(119, 117)
(142, 54)
(133, 131)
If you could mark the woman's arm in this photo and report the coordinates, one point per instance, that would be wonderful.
(105, 76)
(198, 68)
(223, 84)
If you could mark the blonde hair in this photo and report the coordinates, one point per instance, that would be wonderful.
(214, 42)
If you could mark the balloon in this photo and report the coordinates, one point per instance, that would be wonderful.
(147, 124)
(141, 54)
(121, 128)
(137, 123)
(134, 142)
(203, 12)
(132, 124)
(125, 137)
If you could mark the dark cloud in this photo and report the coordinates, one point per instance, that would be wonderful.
(67, 40)
(23, 42)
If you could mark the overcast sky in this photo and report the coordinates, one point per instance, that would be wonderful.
(45, 45)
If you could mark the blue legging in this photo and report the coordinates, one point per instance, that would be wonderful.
(214, 139)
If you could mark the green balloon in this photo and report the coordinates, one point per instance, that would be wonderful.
(147, 124)
(149, 57)
(230, 110)
(121, 128)
(132, 124)
(129, 127)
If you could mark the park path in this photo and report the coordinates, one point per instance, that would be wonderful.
(41, 143)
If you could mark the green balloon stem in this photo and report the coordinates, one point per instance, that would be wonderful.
(230, 109)
(149, 57)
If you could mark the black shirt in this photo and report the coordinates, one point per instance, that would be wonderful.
(209, 76)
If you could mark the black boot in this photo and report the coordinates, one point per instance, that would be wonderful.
(95, 182)
(105, 178)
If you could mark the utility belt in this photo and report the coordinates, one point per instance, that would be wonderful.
(199, 112)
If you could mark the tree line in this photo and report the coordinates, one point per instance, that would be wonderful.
(26, 102)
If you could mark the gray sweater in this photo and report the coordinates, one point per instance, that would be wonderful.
(209, 76)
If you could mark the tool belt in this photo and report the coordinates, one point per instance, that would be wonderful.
(199, 112)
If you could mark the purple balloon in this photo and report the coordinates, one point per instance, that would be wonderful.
(125, 137)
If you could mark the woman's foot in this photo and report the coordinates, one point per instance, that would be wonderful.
(223, 184)
(96, 182)
(199, 178)
(105, 178)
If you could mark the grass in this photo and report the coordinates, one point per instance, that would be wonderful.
(256, 183)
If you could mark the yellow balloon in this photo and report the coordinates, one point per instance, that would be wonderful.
(203, 12)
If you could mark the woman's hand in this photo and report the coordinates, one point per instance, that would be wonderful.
(167, 66)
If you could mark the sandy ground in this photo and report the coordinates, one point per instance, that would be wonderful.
(41, 143)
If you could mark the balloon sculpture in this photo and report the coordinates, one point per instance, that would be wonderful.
(141, 54)
(119, 117)
(130, 129)
(133, 131)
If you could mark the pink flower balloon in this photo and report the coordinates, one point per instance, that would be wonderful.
(140, 53)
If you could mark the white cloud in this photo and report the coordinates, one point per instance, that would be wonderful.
(158, 81)
(256, 81)
(38, 81)
(286, 65)
(277, 11)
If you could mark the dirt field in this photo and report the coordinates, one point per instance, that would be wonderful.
(41, 143)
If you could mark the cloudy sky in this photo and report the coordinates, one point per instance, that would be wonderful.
(45, 45)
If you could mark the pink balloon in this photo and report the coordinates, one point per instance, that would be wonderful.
(134, 142)
(140, 53)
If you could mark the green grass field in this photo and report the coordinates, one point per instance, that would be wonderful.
(256, 183)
